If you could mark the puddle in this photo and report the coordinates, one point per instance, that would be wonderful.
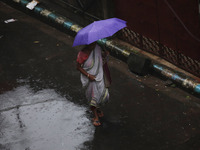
(42, 121)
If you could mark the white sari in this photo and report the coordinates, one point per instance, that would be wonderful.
(96, 92)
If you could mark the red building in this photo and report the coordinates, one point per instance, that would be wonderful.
(168, 28)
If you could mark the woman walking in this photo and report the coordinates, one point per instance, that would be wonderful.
(95, 77)
(91, 62)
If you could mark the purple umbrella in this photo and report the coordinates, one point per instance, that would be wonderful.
(98, 30)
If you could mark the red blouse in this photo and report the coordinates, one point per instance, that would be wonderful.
(82, 57)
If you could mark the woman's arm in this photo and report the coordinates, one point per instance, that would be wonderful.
(91, 77)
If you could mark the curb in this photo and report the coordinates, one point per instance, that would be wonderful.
(118, 49)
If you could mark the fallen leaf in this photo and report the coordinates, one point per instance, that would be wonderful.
(188, 97)
(36, 42)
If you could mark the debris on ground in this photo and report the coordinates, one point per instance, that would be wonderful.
(36, 42)
(10, 20)
(32, 4)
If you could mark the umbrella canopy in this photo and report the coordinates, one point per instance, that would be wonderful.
(98, 30)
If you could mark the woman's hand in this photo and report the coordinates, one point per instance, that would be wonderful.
(91, 77)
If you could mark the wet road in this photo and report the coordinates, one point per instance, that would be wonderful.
(43, 107)
(39, 118)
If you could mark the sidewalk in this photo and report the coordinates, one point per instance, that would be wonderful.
(144, 112)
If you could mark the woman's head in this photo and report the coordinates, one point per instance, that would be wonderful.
(89, 47)
(92, 44)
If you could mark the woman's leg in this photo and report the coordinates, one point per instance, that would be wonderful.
(96, 117)
(100, 113)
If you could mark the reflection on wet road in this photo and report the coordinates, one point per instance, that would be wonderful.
(42, 120)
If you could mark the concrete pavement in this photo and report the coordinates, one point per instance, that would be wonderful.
(41, 93)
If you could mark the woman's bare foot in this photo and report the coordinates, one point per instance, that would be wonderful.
(96, 122)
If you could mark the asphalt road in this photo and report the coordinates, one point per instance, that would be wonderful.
(43, 106)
